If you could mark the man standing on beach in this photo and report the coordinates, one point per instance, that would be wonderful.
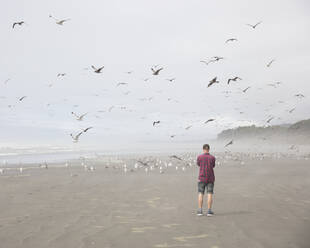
(206, 163)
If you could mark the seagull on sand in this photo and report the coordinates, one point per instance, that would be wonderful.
(229, 143)
(18, 23)
(231, 39)
(254, 26)
(79, 117)
(213, 81)
(155, 122)
(233, 79)
(58, 21)
(156, 71)
(269, 64)
(97, 70)
(209, 120)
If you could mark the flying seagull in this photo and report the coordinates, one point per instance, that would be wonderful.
(155, 122)
(229, 143)
(86, 129)
(61, 74)
(22, 98)
(209, 120)
(97, 70)
(254, 26)
(233, 79)
(121, 84)
(176, 157)
(213, 81)
(300, 95)
(269, 64)
(79, 117)
(156, 71)
(291, 111)
(59, 22)
(231, 39)
(270, 119)
(75, 138)
(18, 23)
(188, 127)
(245, 90)
(170, 79)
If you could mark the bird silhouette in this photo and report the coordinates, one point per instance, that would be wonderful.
(213, 81)
(246, 89)
(155, 122)
(86, 129)
(22, 98)
(79, 117)
(170, 80)
(17, 23)
(209, 121)
(254, 26)
(233, 79)
(97, 70)
(231, 39)
(229, 143)
(156, 71)
(269, 64)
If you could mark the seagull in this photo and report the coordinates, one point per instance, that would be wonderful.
(188, 127)
(229, 143)
(76, 137)
(18, 23)
(176, 157)
(231, 39)
(170, 80)
(172, 136)
(121, 84)
(245, 90)
(97, 70)
(61, 74)
(254, 26)
(155, 122)
(86, 129)
(143, 163)
(79, 117)
(233, 79)
(59, 22)
(22, 98)
(156, 71)
(205, 62)
(269, 120)
(209, 120)
(291, 111)
(300, 95)
(146, 79)
(269, 64)
(213, 81)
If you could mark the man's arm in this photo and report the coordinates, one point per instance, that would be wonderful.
(198, 161)
(213, 162)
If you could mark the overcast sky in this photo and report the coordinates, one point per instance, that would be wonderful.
(133, 36)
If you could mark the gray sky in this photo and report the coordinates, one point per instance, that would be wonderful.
(132, 36)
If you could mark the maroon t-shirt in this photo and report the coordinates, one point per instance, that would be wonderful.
(206, 162)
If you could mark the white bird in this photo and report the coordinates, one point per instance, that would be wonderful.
(79, 117)
(59, 21)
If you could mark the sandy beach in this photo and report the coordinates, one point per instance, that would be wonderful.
(258, 203)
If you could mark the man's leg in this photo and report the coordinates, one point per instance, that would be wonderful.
(210, 200)
(200, 200)
(210, 187)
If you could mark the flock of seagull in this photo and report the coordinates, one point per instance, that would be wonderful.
(155, 71)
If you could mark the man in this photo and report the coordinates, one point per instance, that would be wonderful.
(206, 163)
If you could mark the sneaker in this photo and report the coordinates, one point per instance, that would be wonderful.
(210, 213)
(199, 212)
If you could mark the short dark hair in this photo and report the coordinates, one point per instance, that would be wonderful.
(206, 147)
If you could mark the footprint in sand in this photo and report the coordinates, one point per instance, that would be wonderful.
(186, 238)
(141, 229)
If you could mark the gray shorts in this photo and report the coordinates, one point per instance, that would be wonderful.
(205, 186)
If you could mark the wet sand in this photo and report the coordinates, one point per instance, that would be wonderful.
(257, 204)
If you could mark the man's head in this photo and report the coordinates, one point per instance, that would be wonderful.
(206, 147)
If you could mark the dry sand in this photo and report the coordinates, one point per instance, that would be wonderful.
(257, 204)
